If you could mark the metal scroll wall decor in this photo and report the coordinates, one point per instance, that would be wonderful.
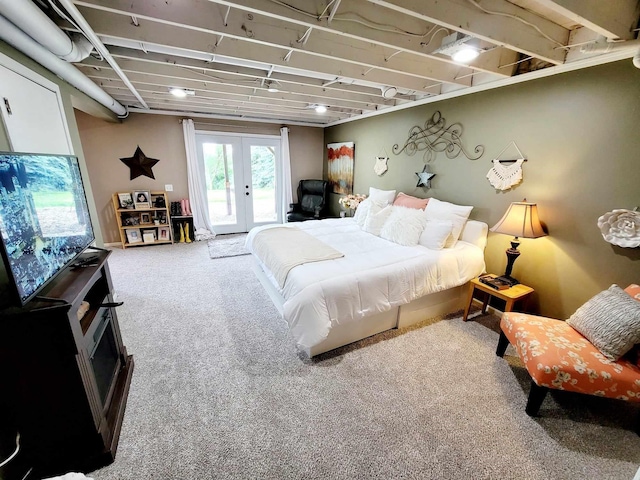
(436, 137)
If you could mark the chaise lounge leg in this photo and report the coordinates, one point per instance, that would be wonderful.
(536, 397)
(503, 343)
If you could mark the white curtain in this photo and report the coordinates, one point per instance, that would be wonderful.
(287, 193)
(197, 190)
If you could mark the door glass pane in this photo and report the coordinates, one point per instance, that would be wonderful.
(218, 170)
(263, 178)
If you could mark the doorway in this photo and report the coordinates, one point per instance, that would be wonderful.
(241, 175)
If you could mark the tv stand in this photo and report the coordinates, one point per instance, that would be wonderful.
(66, 376)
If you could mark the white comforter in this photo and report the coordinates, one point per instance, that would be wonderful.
(374, 276)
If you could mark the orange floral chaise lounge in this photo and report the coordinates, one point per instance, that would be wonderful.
(557, 356)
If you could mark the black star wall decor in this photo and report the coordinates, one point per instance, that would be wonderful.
(424, 177)
(140, 164)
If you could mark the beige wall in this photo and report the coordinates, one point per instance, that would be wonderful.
(579, 133)
(161, 137)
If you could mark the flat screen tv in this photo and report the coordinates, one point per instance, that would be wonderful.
(44, 219)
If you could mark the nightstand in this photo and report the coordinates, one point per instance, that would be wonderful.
(509, 295)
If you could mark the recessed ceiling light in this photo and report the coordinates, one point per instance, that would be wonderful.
(389, 92)
(272, 87)
(181, 92)
(465, 55)
(321, 108)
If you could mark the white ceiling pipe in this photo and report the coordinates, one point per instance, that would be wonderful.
(31, 20)
(23, 42)
(604, 46)
(91, 35)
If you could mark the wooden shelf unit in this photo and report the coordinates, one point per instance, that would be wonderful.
(153, 212)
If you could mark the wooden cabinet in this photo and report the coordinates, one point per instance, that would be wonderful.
(134, 223)
(66, 372)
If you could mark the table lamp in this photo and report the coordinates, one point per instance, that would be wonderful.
(520, 220)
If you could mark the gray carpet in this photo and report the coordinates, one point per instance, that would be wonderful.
(231, 245)
(219, 391)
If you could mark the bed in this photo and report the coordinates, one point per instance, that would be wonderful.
(376, 285)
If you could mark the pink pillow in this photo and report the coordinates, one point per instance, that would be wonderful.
(404, 200)
(634, 291)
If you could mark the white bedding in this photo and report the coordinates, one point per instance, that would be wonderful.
(374, 276)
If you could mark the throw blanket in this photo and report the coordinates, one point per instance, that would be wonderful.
(283, 248)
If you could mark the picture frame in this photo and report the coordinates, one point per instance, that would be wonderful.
(125, 199)
(130, 219)
(145, 218)
(133, 235)
(162, 217)
(340, 160)
(142, 199)
(164, 234)
(149, 235)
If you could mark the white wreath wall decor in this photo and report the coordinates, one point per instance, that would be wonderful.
(621, 227)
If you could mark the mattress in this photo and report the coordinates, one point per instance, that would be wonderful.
(374, 276)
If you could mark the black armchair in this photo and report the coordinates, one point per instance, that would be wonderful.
(312, 201)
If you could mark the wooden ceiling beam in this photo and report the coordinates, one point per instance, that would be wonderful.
(614, 20)
(204, 17)
(503, 26)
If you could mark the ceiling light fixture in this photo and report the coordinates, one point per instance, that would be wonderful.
(320, 108)
(271, 87)
(389, 92)
(181, 92)
(455, 46)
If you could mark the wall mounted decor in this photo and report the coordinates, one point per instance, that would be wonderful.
(140, 164)
(436, 137)
(381, 165)
(424, 177)
(340, 158)
(621, 227)
(503, 177)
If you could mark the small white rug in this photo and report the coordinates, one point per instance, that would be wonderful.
(230, 245)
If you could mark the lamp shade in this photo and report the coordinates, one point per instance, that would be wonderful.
(520, 220)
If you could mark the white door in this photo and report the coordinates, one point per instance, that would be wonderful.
(241, 176)
(32, 115)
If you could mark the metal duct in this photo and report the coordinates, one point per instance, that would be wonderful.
(30, 19)
(23, 42)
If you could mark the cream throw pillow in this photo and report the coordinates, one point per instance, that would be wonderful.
(376, 218)
(362, 211)
(456, 214)
(610, 321)
(435, 234)
(404, 225)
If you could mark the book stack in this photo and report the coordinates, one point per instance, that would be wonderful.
(494, 282)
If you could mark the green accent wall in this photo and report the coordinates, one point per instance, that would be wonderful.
(578, 131)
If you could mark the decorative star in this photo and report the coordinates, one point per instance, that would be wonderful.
(140, 164)
(424, 177)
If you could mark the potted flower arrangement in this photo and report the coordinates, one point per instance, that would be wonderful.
(351, 201)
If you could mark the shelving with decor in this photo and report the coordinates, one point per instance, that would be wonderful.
(134, 223)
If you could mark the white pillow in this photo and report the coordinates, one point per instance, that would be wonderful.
(376, 218)
(456, 214)
(435, 234)
(404, 225)
(362, 211)
(385, 197)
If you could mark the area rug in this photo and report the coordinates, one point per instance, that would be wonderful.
(230, 245)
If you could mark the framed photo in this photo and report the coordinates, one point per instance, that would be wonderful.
(133, 235)
(163, 233)
(130, 219)
(340, 157)
(142, 199)
(162, 217)
(158, 201)
(145, 218)
(149, 235)
(125, 199)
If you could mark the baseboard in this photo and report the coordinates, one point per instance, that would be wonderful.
(113, 244)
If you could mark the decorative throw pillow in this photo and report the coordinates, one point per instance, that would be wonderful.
(456, 214)
(405, 200)
(362, 211)
(610, 321)
(384, 197)
(634, 291)
(376, 218)
(403, 226)
(435, 234)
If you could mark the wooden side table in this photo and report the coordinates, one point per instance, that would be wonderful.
(509, 295)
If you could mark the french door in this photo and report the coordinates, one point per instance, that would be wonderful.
(242, 179)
